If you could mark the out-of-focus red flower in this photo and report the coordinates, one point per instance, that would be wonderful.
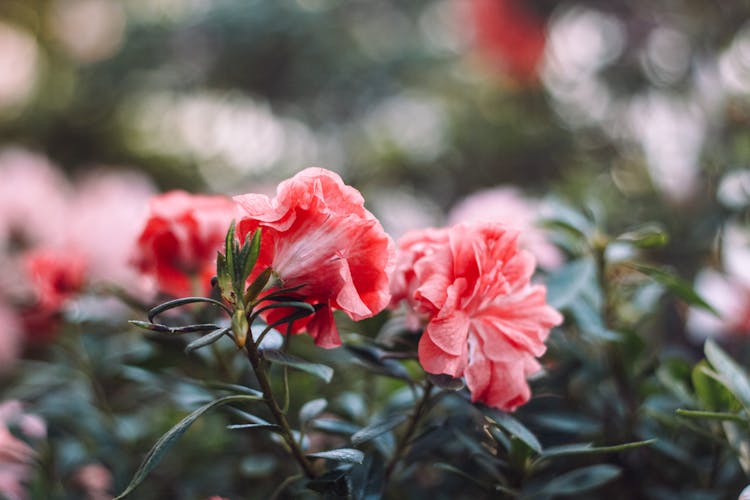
(484, 320)
(318, 235)
(508, 206)
(178, 245)
(510, 36)
(54, 276)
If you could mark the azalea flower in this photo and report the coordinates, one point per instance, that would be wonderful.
(178, 244)
(470, 286)
(317, 235)
(508, 206)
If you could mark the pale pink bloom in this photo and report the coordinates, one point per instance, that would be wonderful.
(19, 64)
(107, 215)
(95, 480)
(508, 206)
(16, 456)
(178, 244)
(10, 339)
(33, 201)
(485, 321)
(728, 292)
(318, 235)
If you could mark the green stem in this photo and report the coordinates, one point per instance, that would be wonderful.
(286, 432)
(403, 444)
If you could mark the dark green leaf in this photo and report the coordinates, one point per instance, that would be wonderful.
(346, 455)
(376, 429)
(675, 284)
(206, 340)
(229, 247)
(514, 428)
(270, 427)
(590, 449)
(712, 394)
(582, 480)
(334, 426)
(322, 371)
(590, 322)
(311, 409)
(446, 382)
(170, 437)
(182, 302)
(711, 415)
(258, 284)
(235, 388)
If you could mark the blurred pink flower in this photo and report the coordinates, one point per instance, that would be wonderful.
(728, 292)
(33, 201)
(485, 321)
(317, 234)
(508, 206)
(177, 246)
(16, 456)
(107, 215)
(95, 480)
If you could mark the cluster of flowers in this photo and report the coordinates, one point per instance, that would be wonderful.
(469, 285)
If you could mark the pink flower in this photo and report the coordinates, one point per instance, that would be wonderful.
(484, 320)
(107, 215)
(181, 237)
(318, 235)
(508, 206)
(95, 480)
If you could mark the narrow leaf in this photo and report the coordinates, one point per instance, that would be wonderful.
(251, 258)
(269, 427)
(311, 409)
(675, 284)
(515, 428)
(334, 426)
(229, 247)
(235, 388)
(374, 430)
(589, 449)
(732, 375)
(346, 455)
(205, 340)
(649, 235)
(170, 437)
(182, 302)
(322, 371)
(258, 284)
(581, 480)
(711, 415)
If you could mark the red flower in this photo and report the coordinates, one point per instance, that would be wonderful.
(484, 320)
(510, 36)
(318, 235)
(180, 239)
(55, 276)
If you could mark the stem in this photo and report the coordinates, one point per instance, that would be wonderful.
(403, 444)
(286, 432)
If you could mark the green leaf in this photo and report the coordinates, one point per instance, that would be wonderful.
(648, 235)
(269, 427)
(251, 257)
(712, 394)
(182, 302)
(311, 409)
(334, 426)
(376, 429)
(156, 327)
(582, 480)
(514, 428)
(235, 388)
(346, 455)
(258, 284)
(321, 371)
(446, 382)
(567, 284)
(170, 437)
(590, 322)
(711, 415)
(229, 247)
(675, 284)
(730, 373)
(590, 449)
(206, 340)
(224, 277)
